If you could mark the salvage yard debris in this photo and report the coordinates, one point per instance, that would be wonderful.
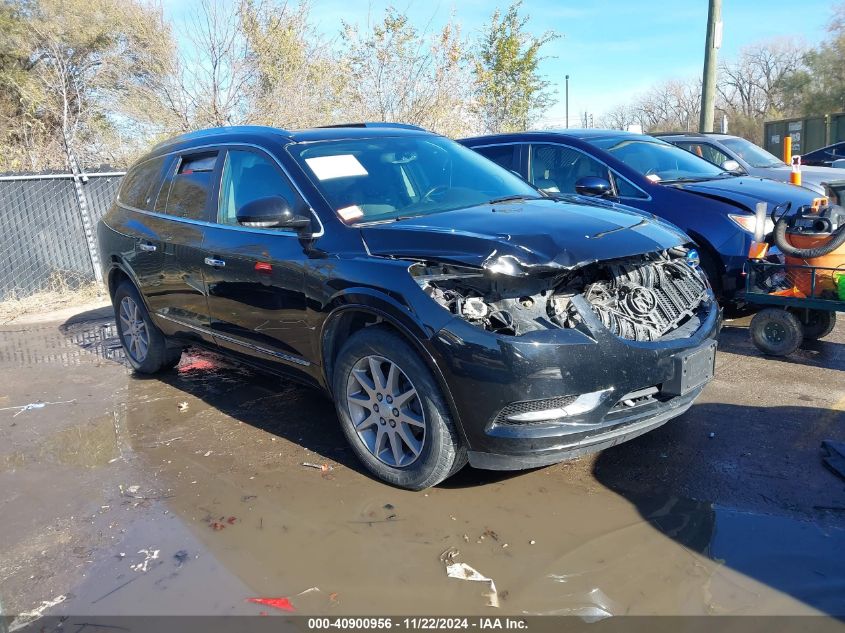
(33, 406)
(149, 556)
(462, 571)
(277, 603)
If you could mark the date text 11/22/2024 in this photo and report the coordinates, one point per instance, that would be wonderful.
(418, 623)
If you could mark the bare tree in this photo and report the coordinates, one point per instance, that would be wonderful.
(753, 84)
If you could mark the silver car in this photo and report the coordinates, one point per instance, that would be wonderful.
(733, 153)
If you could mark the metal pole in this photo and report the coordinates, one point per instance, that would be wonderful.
(567, 102)
(84, 215)
(711, 47)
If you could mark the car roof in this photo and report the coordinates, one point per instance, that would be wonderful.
(583, 134)
(330, 132)
(694, 135)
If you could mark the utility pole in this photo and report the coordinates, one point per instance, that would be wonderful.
(711, 47)
(567, 102)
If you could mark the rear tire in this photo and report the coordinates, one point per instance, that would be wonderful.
(816, 323)
(147, 349)
(776, 332)
(393, 413)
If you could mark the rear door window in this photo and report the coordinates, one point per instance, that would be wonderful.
(190, 187)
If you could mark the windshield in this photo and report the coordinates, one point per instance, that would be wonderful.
(658, 160)
(388, 178)
(751, 153)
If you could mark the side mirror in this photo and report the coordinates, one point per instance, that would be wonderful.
(732, 166)
(273, 212)
(593, 186)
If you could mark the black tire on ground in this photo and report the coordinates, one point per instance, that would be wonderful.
(817, 323)
(776, 332)
(442, 453)
(160, 354)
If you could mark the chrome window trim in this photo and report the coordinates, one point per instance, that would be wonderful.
(610, 169)
(298, 360)
(222, 147)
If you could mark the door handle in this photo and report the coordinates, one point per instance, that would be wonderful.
(149, 248)
(217, 263)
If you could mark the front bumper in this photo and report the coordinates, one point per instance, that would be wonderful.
(490, 377)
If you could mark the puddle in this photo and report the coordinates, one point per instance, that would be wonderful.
(211, 456)
(87, 445)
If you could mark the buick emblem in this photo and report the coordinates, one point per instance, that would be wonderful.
(640, 300)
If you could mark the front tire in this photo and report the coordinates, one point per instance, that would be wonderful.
(393, 413)
(146, 348)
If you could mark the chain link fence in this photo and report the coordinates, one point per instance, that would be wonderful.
(46, 225)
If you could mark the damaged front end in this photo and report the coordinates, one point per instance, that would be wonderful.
(643, 298)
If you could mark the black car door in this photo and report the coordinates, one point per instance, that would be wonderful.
(185, 205)
(255, 277)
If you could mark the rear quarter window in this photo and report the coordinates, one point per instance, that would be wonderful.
(506, 156)
(140, 185)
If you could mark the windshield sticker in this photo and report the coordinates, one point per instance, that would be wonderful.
(340, 166)
(653, 177)
(348, 214)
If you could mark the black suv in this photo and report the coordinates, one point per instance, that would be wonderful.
(451, 310)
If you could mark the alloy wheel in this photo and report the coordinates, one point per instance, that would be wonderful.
(133, 329)
(386, 411)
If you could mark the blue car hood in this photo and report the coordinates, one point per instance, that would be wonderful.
(517, 238)
(746, 191)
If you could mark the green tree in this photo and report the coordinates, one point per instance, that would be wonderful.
(298, 81)
(398, 74)
(510, 92)
(73, 70)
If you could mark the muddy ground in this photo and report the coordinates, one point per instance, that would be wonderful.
(188, 494)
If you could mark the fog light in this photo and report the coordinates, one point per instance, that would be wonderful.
(582, 404)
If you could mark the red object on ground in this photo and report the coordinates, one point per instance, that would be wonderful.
(279, 603)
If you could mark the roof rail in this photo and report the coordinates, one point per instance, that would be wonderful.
(401, 126)
(216, 131)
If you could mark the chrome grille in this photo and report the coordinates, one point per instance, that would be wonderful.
(528, 406)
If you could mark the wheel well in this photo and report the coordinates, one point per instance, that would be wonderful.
(116, 276)
(340, 329)
(712, 254)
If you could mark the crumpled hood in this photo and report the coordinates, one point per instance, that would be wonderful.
(516, 238)
(747, 191)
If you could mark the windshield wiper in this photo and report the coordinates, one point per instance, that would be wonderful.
(514, 198)
(690, 179)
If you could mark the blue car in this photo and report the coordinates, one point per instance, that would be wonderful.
(713, 206)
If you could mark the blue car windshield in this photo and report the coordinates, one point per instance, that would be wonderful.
(658, 160)
(389, 178)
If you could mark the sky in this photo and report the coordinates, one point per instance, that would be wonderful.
(612, 50)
